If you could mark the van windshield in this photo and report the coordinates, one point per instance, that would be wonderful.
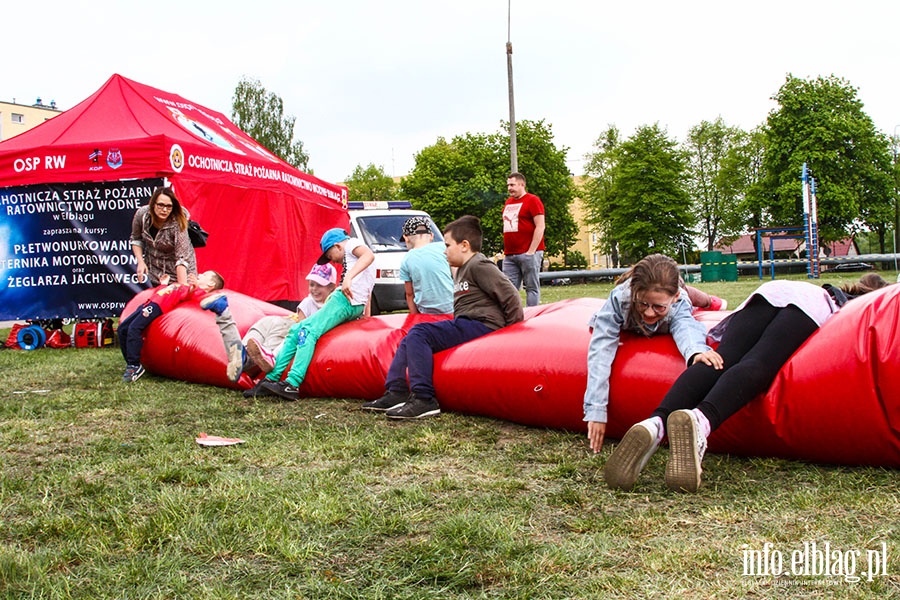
(383, 233)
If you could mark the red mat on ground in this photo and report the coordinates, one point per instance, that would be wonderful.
(837, 400)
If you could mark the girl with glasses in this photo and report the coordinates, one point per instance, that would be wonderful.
(159, 239)
(755, 341)
(648, 300)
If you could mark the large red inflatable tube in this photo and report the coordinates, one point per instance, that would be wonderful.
(351, 361)
(837, 400)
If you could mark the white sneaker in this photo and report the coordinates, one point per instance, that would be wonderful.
(236, 359)
(631, 455)
(687, 445)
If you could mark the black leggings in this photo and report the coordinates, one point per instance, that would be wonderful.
(757, 342)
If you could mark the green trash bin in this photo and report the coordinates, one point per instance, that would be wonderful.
(710, 263)
(729, 270)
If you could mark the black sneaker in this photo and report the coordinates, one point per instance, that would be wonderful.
(282, 389)
(415, 408)
(132, 373)
(387, 402)
(257, 390)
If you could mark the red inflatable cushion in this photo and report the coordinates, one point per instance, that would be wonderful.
(835, 401)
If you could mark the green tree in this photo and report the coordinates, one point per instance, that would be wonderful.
(896, 222)
(467, 175)
(646, 209)
(884, 219)
(260, 114)
(455, 178)
(600, 170)
(575, 260)
(745, 173)
(548, 177)
(821, 122)
(714, 189)
(370, 184)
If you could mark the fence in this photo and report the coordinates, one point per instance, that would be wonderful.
(886, 261)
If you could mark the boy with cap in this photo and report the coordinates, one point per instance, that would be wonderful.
(344, 304)
(257, 351)
(484, 301)
(425, 270)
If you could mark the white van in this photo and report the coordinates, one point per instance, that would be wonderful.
(380, 226)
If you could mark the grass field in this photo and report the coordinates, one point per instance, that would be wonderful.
(104, 494)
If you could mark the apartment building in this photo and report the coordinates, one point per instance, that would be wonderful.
(18, 118)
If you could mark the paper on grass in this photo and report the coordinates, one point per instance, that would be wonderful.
(214, 440)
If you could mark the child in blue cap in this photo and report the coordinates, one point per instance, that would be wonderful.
(344, 304)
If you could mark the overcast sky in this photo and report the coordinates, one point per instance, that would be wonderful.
(375, 82)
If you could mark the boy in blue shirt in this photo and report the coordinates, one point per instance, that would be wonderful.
(425, 270)
(484, 300)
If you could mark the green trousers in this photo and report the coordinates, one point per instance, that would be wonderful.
(300, 343)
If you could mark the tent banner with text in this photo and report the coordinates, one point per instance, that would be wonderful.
(65, 249)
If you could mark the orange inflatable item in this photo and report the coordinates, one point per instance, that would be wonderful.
(837, 400)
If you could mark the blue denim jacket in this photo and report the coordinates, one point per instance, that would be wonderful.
(689, 335)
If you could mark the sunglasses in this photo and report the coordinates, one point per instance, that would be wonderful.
(659, 309)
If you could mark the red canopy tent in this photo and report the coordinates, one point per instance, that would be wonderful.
(264, 216)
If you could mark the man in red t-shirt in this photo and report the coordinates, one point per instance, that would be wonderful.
(523, 238)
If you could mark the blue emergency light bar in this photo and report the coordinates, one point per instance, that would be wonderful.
(389, 205)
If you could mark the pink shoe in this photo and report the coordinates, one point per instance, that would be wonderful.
(259, 356)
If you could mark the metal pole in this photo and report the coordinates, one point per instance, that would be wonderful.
(513, 148)
(760, 253)
(814, 226)
(772, 256)
(807, 226)
(895, 243)
(896, 198)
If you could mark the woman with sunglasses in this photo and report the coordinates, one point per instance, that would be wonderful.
(159, 239)
(755, 341)
(648, 300)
